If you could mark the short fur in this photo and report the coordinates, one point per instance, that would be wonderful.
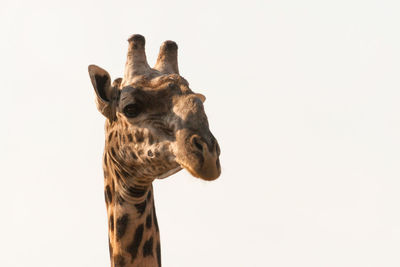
(156, 125)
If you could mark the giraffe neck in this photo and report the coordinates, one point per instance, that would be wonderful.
(134, 238)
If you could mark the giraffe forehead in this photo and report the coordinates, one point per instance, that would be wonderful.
(145, 92)
(154, 80)
(153, 97)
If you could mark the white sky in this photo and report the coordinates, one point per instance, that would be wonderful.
(303, 97)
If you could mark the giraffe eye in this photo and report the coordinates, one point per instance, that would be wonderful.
(131, 110)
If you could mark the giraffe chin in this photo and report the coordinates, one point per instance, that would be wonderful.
(169, 173)
(205, 173)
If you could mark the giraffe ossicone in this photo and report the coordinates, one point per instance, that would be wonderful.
(156, 126)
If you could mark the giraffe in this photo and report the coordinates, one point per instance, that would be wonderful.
(155, 126)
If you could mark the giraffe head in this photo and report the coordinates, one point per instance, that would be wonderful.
(156, 125)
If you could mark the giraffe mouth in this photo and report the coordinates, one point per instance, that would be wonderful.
(209, 171)
(190, 170)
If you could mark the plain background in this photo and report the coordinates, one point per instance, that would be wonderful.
(303, 97)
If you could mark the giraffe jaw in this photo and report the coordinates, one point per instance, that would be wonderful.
(169, 173)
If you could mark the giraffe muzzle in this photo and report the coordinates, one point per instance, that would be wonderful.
(201, 157)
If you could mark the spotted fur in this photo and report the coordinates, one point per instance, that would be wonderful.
(156, 125)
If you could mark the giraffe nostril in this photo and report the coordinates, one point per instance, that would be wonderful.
(197, 144)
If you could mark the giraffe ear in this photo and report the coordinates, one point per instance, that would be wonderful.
(104, 91)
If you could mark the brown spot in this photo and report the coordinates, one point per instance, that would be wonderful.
(141, 207)
(119, 261)
(150, 153)
(130, 138)
(108, 195)
(133, 155)
(133, 248)
(148, 221)
(148, 248)
(110, 136)
(139, 137)
(122, 223)
(112, 223)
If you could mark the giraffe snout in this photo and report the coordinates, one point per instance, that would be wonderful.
(208, 151)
